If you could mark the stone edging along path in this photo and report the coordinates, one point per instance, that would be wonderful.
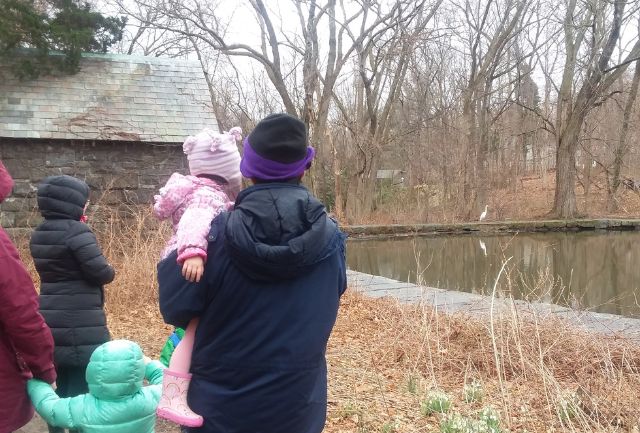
(397, 230)
(449, 301)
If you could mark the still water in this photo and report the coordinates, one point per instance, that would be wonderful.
(598, 271)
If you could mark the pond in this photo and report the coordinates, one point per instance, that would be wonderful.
(599, 271)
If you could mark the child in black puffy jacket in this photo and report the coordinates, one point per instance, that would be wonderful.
(72, 273)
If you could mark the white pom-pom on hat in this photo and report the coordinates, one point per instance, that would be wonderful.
(189, 144)
(236, 131)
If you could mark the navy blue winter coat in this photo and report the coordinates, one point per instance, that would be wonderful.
(267, 304)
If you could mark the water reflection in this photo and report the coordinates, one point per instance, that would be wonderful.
(599, 271)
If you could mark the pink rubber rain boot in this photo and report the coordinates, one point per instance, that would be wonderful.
(173, 402)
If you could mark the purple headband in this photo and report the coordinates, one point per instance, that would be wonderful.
(254, 166)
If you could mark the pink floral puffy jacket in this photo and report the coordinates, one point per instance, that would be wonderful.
(192, 203)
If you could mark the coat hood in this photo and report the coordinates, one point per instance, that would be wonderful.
(116, 370)
(6, 183)
(62, 197)
(279, 231)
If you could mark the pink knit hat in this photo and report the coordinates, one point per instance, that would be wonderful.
(215, 154)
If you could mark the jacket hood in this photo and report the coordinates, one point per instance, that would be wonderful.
(279, 231)
(116, 370)
(62, 197)
(6, 183)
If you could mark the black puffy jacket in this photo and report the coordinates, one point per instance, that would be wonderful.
(72, 271)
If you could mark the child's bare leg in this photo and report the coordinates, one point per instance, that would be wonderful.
(175, 383)
(181, 358)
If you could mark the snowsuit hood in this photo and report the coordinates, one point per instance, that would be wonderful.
(116, 370)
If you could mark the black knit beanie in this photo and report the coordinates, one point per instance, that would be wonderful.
(281, 138)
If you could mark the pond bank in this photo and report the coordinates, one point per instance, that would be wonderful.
(397, 230)
(449, 301)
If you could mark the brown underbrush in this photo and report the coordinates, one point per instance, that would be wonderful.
(396, 368)
(391, 362)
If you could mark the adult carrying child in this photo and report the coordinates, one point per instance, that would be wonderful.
(191, 203)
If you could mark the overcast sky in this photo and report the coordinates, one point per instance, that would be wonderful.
(243, 28)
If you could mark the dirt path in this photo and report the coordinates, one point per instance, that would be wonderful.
(37, 425)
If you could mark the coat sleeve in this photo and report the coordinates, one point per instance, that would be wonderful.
(6, 183)
(343, 268)
(84, 247)
(171, 196)
(194, 226)
(54, 410)
(19, 315)
(154, 372)
(180, 300)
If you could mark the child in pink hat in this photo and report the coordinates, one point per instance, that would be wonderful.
(192, 202)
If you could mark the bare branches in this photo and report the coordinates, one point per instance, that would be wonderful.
(479, 82)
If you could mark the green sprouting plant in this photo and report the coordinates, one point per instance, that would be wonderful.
(412, 384)
(568, 406)
(436, 401)
(476, 426)
(348, 410)
(473, 392)
(490, 420)
(487, 422)
(389, 427)
(455, 423)
(357, 414)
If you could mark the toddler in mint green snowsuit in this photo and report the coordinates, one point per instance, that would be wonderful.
(117, 400)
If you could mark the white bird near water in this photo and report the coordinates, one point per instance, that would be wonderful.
(483, 215)
(483, 247)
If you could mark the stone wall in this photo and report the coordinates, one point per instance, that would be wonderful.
(117, 172)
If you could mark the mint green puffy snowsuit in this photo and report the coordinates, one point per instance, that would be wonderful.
(116, 403)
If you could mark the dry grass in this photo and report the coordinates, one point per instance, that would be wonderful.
(529, 198)
(133, 247)
(385, 356)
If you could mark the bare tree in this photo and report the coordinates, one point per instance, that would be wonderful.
(623, 146)
(144, 39)
(595, 19)
(447, 91)
(277, 53)
(489, 41)
(381, 67)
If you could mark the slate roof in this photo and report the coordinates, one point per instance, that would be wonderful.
(113, 97)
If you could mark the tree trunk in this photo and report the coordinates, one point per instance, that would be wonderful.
(564, 202)
(621, 149)
(362, 200)
(482, 173)
(586, 181)
(570, 113)
(469, 116)
(338, 210)
(362, 185)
